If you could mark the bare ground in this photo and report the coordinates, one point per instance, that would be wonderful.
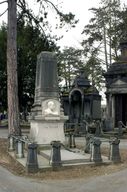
(86, 171)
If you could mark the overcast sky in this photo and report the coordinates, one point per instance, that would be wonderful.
(79, 7)
(81, 10)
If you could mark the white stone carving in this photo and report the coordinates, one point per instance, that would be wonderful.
(50, 108)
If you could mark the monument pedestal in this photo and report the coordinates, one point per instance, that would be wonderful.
(44, 131)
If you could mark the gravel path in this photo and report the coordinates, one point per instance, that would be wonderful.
(107, 183)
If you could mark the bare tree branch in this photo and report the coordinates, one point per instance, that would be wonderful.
(30, 15)
(22, 4)
(3, 2)
(66, 17)
(19, 5)
(53, 6)
(4, 12)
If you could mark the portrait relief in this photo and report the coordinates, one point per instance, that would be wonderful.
(50, 107)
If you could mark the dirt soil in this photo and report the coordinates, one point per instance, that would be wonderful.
(85, 171)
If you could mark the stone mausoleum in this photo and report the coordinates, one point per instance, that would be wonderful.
(82, 103)
(116, 84)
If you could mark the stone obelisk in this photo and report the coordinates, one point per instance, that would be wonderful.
(47, 118)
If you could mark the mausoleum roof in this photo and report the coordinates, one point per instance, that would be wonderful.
(117, 68)
(81, 81)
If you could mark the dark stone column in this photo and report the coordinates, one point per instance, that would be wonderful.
(32, 162)
(96, 151)
(71, 140)
(82, 108)
(114, 150)
(110, 105)
(120, 130)
(98, 129)
(70, 118)
(56, 154)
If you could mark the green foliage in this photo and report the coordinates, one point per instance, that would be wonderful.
(94, 71)
(32, 38)
(121, 28)
(69, 62)
(102, 37)
(3, 74)
(41, 20)
(30, 42)
(102, 31)
(72, 61)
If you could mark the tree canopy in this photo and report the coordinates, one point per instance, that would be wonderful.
(104, 31)
(25, 14)
(102, 36)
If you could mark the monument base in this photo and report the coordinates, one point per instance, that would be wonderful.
(44, 132)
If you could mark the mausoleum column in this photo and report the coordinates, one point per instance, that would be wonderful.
(113, 110)
(70, 107)
(82, 107)
(109, 105)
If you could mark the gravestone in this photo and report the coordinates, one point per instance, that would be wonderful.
(56, 154)
(96, 150)
(114, 150)
(47, 117)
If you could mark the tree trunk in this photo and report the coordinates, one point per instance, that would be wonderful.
(12, 86)
(105, 47)
(69, 75)
(110, 35)
(110, 50)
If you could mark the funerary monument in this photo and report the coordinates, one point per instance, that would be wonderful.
(116, 84)
(47, 117)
